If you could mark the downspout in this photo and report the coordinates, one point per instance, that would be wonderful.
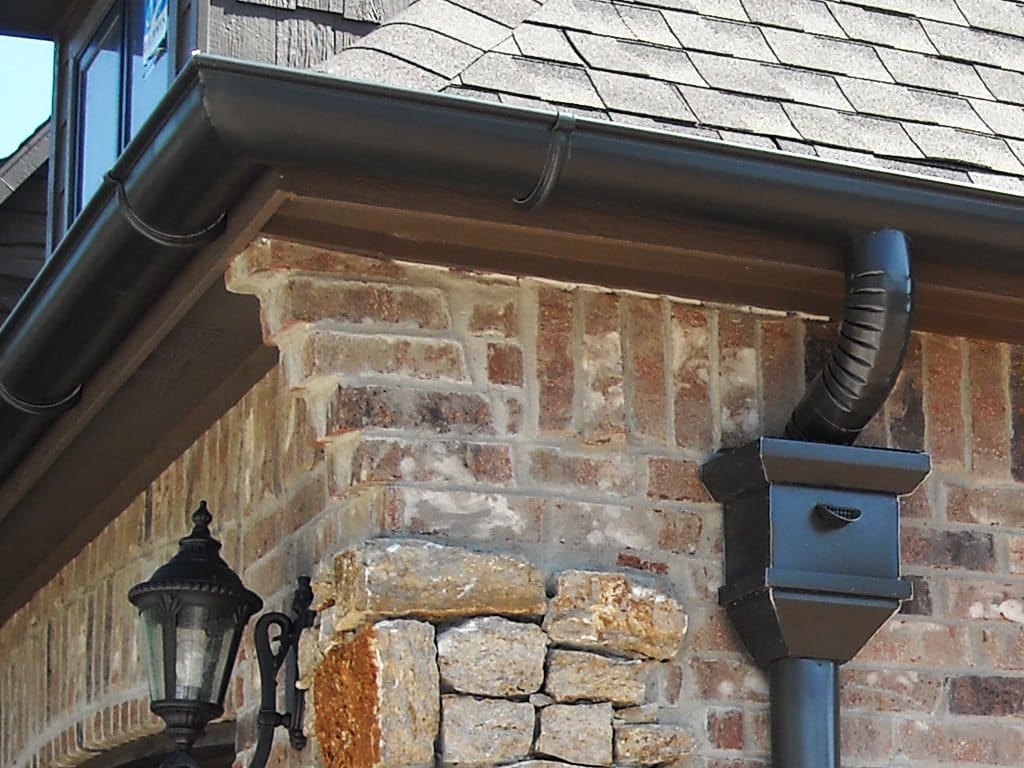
(812, 531)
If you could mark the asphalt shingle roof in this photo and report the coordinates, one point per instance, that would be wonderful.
(934, 87)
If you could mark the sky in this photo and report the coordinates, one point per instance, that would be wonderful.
(26, 84)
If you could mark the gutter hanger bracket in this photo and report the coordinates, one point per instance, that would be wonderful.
(40, 409)
(166, 239)
(559, 151)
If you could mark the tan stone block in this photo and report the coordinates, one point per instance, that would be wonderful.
(376, 698)
(609, 612)
(393, 577)
(485, 731)
(492, 656)
(651, 744)
(581, 733)
(645, 713)
(580, 676)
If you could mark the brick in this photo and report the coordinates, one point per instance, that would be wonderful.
(905, 405)
(943, 377)
(675, 480)
(738, 378)
(729, 680)
(499, 318)
(865, 738)
(478, 732)
(781, 371)
(505, 364)
(989, 696)
(395, 408)
(886, 690)
(956, 742)
(725, 728)
(601, 366)
(644, 369)
(455, 462)
(605, 474)
(921, 602)
(985, 600)
(986, 506)
(467, 517)
(990, 417)
(312, 300)
(912, 642)
(690, 345)
(556, 375)
(936, 548)
(1016, 386)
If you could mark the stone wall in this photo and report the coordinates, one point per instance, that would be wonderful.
(564, 425)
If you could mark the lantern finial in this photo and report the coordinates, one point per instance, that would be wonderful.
(201, 520)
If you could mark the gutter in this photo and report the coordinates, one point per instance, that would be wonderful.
(224, 121)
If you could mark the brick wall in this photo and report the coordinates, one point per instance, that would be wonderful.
(564, 424)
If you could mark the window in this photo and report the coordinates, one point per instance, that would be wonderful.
(118, 82)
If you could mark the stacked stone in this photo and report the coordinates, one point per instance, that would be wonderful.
(428, 649)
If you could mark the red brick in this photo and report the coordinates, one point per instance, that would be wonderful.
(990, 413)
(738, 378)
(985, 599)
(393, 408)
(943, 380)
(630, 559)
(691, 378)
(312, 300)
(499, 318)
(266, 255)
(604, 399)
(1016, 386)
(886, 690)
(865, 738)
(986, 695)
(606, 474)
(781, 371)
(680, 531)
(505, 364)
(729, 680)
(646, 391)
(556, 367)
(912, 642)
(327, 353)
(725, 728)
(951, 741)
(675, 480)
(495, 519)
(921, 602)
(970, 550)
(987, 506)
(917, 505)
(382, 461)
(905, 406)
(1000, 645)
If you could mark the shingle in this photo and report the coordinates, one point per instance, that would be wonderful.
(889, 100)
(749, 139)
(588, 15)
(812, 52)
(998, 182)
(471, 93)
(770, 80)
(659, 125)
(377, 67)
(939, 143)
(796, 147)
(703, 34)
(934, 73)
(867, 159)
(998, 15)
(743, 113)
(1004, 85)
(545, 43)
(641, 95)
(507, 12)
(883, 28)
(556, 83)
(509, 46)
(374, 11)
(455, 21)
(327, 6)
(1004, 119)
(635, 58)
(940, 10)
(424, 47)
(805, 15)
(842, 129)
(976, 45)
(723, 9)
(647, 25)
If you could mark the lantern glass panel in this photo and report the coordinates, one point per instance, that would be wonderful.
(204, 637)
(152, 639)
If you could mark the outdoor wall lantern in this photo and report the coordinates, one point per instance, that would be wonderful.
(193, 610)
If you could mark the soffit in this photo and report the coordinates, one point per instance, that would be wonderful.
(930, 87)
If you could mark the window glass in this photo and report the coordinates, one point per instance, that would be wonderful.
(147, 85)
(99, 98)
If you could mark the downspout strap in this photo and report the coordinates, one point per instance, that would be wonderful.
(559, 150)
(166, 239)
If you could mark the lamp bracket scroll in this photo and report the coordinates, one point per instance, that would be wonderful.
(270, 662)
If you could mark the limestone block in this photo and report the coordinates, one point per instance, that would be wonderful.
(310, 657)
(581, 676)
(492, 656)
(396, 577)
(581, 733)
(609, 612)
(376, 698)
(645, 713)
(484, 731)
(651, 744)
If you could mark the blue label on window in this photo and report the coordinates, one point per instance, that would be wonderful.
(154, 39)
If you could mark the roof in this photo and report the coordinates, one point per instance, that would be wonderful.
(931, 87)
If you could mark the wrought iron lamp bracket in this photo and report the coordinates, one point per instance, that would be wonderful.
(270, 663)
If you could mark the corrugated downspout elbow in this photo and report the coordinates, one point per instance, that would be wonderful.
(868, 356)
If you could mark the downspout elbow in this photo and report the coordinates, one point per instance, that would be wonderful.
(868, 355)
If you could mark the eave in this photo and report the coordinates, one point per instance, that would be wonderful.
(420, 176)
